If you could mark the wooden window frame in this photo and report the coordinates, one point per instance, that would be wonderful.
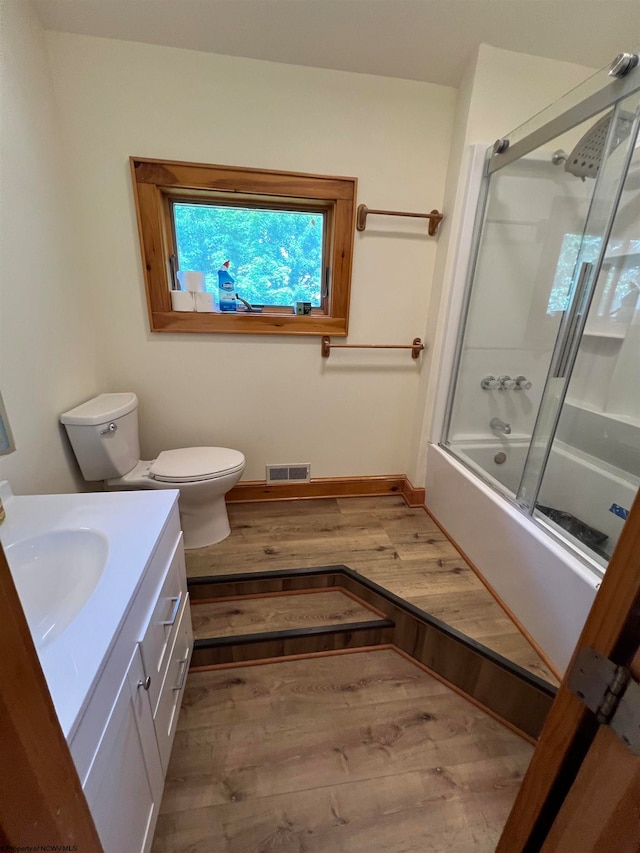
(157, 183)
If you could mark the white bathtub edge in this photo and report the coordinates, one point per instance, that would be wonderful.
(547, 589)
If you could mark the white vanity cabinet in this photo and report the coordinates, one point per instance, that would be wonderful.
(122, 744)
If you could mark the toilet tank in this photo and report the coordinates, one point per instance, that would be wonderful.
(104, 435)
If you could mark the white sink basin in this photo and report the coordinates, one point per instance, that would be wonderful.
(55, 574)
(77, 561)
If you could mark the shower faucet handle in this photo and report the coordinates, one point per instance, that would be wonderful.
(489, 383)
(505, 383)
(521, 383)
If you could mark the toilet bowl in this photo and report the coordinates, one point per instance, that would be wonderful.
(104, 436)
(203, 476)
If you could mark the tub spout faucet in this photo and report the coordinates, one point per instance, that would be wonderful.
(500, 426)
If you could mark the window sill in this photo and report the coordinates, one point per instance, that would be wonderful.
(247, 323)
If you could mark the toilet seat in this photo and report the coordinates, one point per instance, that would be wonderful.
(194, 464)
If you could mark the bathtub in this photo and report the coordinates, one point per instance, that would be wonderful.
(541, 576)
(574, 482)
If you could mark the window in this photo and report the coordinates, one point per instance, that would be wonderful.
(278, 240)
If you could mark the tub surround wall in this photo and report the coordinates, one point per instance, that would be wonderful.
(610, 438)
(351, 415)
(509, 330)
(603, 411)
(47, 358)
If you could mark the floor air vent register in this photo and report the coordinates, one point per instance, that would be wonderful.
(300, 473)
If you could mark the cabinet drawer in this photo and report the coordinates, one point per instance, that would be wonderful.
(160, 631)
(166, 716)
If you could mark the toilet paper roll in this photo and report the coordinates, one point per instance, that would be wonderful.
(192, 280)
(204, 302)
(182, 300)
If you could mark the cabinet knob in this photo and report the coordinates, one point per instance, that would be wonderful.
(146, 684)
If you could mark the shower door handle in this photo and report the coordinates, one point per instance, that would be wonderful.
(572, 322)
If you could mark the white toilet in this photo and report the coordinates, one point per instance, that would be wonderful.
(104, 436)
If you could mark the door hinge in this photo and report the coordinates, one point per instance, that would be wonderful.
(610, 692)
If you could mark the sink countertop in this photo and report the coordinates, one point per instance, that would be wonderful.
(133, 523)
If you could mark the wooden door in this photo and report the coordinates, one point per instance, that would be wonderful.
(602, 809)
(582, 789)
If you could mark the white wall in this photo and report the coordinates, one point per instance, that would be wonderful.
(510, 88)
(46, 350)
(273, 398)
(445, 263)
(358, 413)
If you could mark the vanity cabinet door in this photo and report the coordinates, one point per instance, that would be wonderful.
(124, 785)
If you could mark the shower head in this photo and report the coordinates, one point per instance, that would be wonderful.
(584, 161)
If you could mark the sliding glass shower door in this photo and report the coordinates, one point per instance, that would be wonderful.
(543, 404)
(598, 424)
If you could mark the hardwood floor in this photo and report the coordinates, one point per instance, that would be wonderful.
(356, 752)
(398, 547)
(276, 613)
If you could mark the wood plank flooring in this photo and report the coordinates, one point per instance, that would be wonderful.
(276, 613)
(398, 547)
(350, 753)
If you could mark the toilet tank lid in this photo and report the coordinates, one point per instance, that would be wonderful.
(101, 409)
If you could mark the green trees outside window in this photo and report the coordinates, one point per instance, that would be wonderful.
(276, 256)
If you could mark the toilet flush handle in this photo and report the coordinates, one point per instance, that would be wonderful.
(111, 428)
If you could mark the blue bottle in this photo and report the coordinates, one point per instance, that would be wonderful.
(226, 289)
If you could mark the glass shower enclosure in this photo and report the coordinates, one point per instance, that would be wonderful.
(545, 402)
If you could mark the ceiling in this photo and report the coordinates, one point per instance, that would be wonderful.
(428, 40)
